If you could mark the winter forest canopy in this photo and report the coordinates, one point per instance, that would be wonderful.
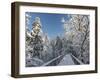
(56, 39)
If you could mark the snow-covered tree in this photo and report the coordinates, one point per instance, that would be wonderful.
(58, 46)
(77, 30)
(37, 41)
(28, 37)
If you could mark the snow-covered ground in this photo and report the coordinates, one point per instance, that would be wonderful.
(67, 60)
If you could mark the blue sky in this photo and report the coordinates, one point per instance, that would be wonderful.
(51, 23)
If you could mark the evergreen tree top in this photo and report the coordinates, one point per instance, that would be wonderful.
(37, 22)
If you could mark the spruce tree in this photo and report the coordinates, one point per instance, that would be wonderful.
(37, 41)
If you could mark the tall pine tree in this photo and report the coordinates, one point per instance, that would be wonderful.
(37, 41)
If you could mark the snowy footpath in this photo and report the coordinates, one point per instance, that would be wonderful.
(67, 60)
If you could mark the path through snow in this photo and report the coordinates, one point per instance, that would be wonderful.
(67, 60)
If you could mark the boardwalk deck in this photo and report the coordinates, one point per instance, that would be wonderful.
(67, 60)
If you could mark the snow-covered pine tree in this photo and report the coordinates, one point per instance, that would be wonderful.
(58, 49)
(37, 41)
(58, 46)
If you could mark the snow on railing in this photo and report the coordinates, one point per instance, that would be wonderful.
(47, 63)
(53, 60)
(80, 62)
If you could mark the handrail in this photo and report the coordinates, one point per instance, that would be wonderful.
(47, 63)
(52, 60)
(80, 62)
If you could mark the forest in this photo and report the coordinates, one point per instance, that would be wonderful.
(70, 48)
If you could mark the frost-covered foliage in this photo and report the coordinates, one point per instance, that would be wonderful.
(77, 29)
(70, 49)
(34, 42)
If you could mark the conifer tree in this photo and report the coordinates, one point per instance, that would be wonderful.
(37, 41)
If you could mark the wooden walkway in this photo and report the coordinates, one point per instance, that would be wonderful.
(67, 60)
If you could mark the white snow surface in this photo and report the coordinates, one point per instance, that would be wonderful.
(67, 60)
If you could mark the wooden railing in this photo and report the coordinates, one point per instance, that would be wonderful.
(60, 56)
(53, 60)
(77, 60)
